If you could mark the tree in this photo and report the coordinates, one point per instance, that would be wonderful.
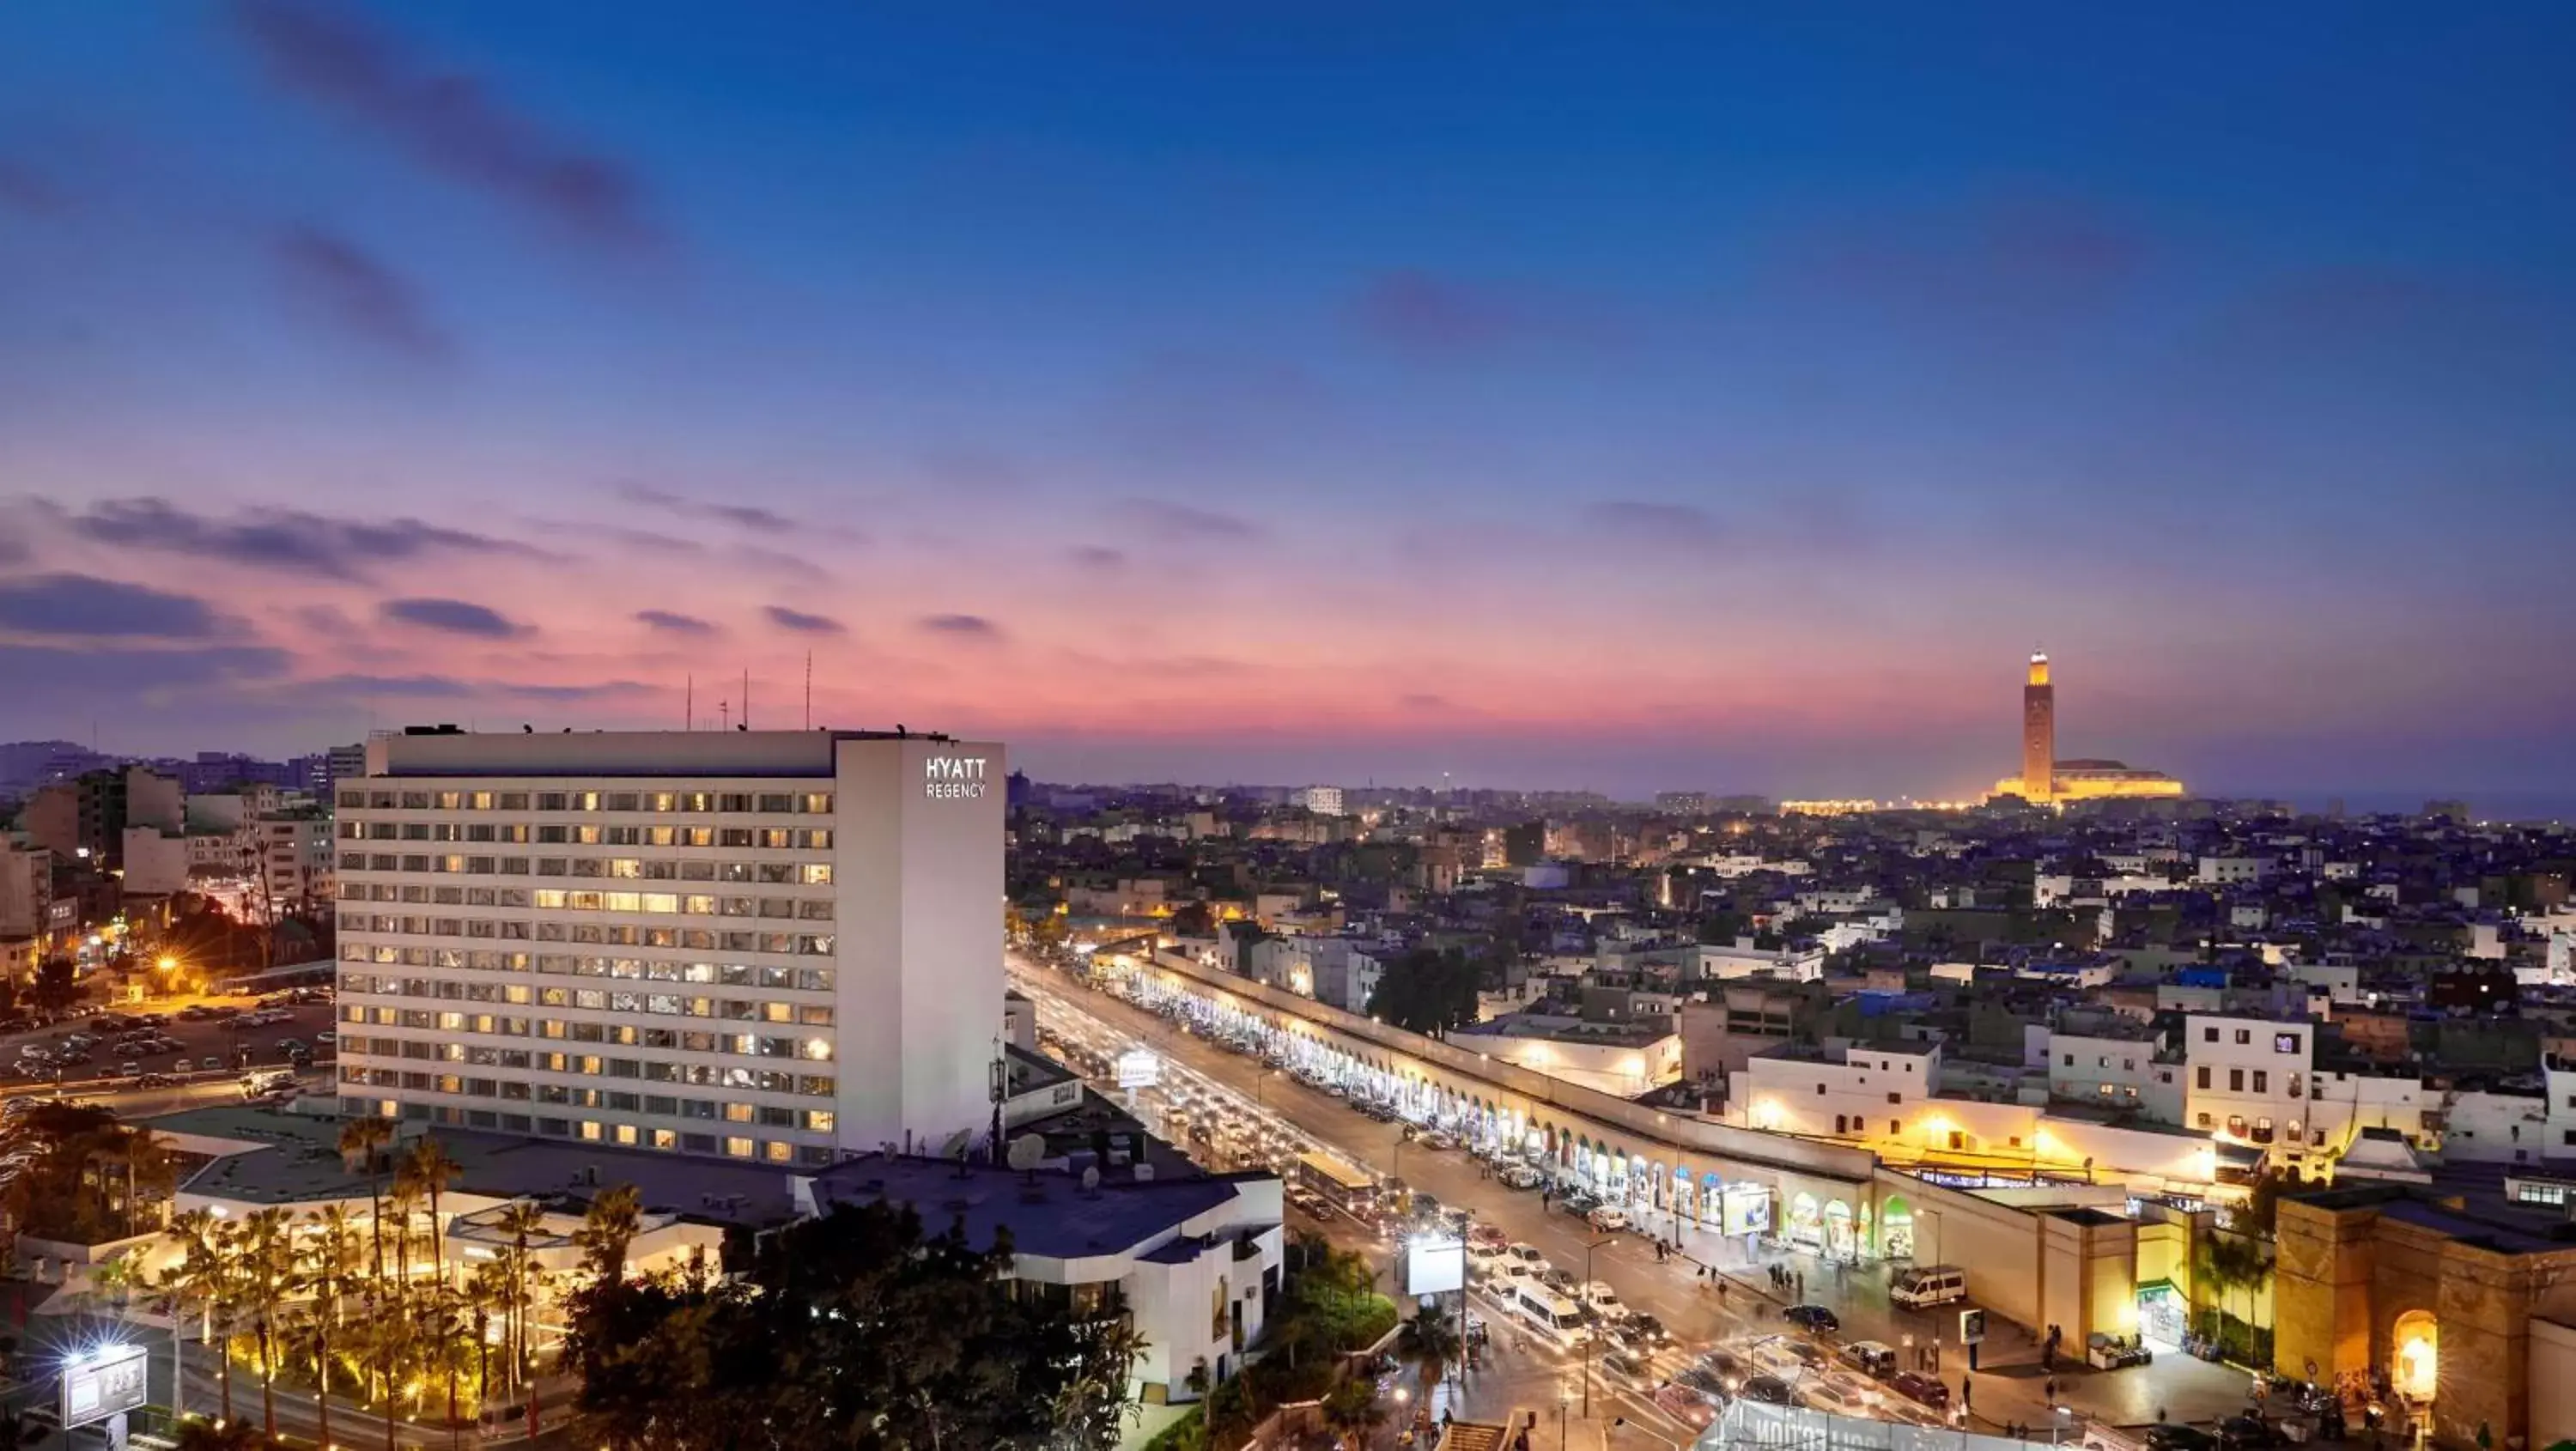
(521, 1219)
(1351, 1410)
(608, 1226)
(432, 1170)
(363, 1139)
(855, 1329)
(1431, 1341)
(1427, 990)
(57, 984)
(266, 1275)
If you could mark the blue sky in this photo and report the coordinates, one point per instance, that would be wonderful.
(1622, 396)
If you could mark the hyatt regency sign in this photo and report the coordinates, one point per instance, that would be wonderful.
(953, 778)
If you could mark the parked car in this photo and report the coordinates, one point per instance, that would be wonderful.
(208, 1064)
(1578, 1203)
(1608, 1218)
(1520, 1176)
(1438, 1140)
(2174, 1436)
(1685, 1405)
(1814, 1319)
(1922, 1390)
(1771, 1390)
(2248, 1433)
(1872, 1358)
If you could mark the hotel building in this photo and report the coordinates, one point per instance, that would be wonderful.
(781, 946)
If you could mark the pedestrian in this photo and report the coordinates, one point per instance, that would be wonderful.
(1721, 1284)
(1967, 1394)
(2050, 1395)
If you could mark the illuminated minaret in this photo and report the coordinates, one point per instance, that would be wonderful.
(2038, 733)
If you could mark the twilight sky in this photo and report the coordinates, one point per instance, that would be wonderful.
(1626, 397)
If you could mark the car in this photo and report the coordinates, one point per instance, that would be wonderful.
(1484, 1259)
(292, 1045)
(1921, 1389)
(209, 1064)
(1487, 1234)
(1645, 1329)
(2174, 1436)
(1626, 1365)
(1608, 1218)
(1520, 1176)
(158, 1080)
(1771, 1390)
(1684, 1405)
(1438, 1140)
(1578, 1203)
(1872, 1358)
(130, 1068)
(1839, 1397)
(1814, 1319)
(2248, 1433)
(1598, 1295)
(1709, 1384)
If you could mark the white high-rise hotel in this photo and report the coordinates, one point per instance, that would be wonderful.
(772, 945)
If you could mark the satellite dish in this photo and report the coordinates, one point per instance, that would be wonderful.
(1144, 1172)
(1091, 1179)
(955, 1148)
(1026, 1152)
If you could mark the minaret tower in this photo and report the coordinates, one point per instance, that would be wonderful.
(2038, 733)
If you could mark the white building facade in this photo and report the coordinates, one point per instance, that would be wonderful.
(779, 946)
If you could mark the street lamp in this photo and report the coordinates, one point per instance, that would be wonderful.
(1591, 1347)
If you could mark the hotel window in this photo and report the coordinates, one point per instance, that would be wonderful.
(2285, 1042)
(2236, 1125)
(2244, 1035)
(2209, 1035)
(2236, 1080)
(738, 1148)
(2262, 1081)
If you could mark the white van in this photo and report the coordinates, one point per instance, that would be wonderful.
(1919, 1286)
(1553, 1315)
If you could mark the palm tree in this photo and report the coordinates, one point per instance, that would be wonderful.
(1431, 1342)
(522, 1218)
(188, 1285)
(328, 1265)
(362, 1138)
(220, 1275)
(433, 1171)
(404, 1202)
(611, 1223)
(488, 1290)
(385, 1345)
(267, 1276)
(1351, 1409)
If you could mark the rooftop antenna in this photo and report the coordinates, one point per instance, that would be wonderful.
(746, 700)
(689, 704)
(724, 715)
(809, 690)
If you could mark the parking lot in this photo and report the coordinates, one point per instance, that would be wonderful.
(151, 1046)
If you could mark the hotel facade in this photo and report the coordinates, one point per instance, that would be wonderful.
(778, 946)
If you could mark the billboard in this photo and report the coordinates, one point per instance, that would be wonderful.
(101, 1383)
(1434, 1264)
(1139, 1068)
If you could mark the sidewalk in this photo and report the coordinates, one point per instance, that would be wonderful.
(2008, 1387)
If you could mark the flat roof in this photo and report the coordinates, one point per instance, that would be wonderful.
(1046, 1213)
(600, 754)
(302, 1163)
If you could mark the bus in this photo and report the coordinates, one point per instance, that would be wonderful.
(1350, 1189)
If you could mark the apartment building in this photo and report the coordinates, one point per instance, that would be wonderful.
(782, 946)
(2256, 1081)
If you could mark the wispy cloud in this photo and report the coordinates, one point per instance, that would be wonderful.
(803, 623)
(747, 516)
(454, 617)
(972, 626)
(1184, 523)
(358, 293)
(341, 548)
(1098, 556)
(671, 623)
(85, 605)
(1432, 316)
(449, 121)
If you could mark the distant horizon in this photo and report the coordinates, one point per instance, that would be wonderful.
(1608, 395)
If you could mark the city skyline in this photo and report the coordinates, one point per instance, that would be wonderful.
(1661, 402)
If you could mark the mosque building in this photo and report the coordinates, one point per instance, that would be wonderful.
(2046, 779)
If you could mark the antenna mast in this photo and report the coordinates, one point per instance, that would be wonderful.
(809, 690)
(746, 700)
(689, 704)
